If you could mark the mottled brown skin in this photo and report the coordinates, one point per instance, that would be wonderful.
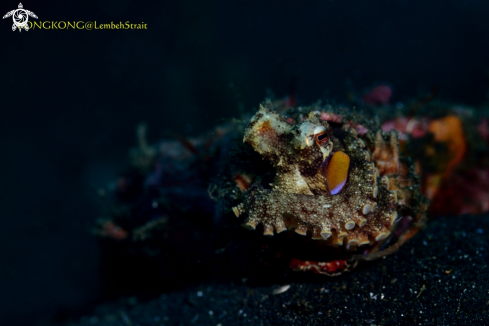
(296, 166)
(362, 214)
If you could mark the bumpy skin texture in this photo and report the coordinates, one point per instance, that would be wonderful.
(363, 213)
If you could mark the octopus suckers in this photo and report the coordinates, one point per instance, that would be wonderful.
(326, 233)
(363, 240)
(280, 227)
(393, 218)
(374, 207)
(366, 209)
(316, 237)
(349, 225)
(374, 177)
(375, 191)
(336, 241)
(268, 230)
(381, 236)
(341, 234)
(353, 242)
(361, 221)
(238, 210)
(250, 225)
(302, 230)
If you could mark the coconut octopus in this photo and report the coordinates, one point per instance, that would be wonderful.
(339, 191)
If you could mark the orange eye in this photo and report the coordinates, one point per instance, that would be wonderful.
(322, 138)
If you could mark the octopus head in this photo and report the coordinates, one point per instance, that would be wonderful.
(313, 135)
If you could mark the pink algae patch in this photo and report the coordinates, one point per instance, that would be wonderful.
(379, 95)
(331, 117)
(415, 127)
(483, 129)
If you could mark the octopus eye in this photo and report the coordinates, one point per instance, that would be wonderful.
(322, 138)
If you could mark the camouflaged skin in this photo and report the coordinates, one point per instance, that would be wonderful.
(363, 213)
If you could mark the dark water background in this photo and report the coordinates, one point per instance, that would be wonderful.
(70, 101)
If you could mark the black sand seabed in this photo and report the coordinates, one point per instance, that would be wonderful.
(440, 277)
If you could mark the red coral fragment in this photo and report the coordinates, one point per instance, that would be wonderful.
(332, 267)
(114, 231)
